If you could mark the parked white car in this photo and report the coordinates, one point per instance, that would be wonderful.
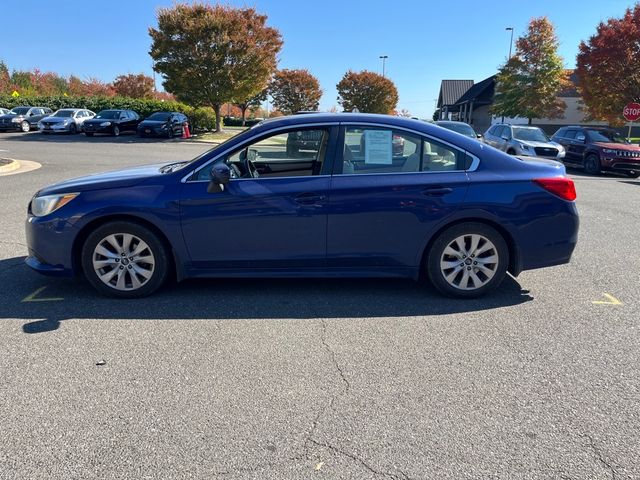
(65, 120)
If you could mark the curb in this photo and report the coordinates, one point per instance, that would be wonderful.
(10, 167)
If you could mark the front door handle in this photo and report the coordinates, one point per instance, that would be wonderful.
(309, 199)
(437, 191)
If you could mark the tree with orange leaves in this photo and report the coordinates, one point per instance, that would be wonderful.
(529, 82)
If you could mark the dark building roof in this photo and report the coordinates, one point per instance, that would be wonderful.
(452, 90)
(480, 91)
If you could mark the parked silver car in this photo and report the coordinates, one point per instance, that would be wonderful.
(523, 140)
(65, 120)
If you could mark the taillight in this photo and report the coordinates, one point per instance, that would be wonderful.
(563, 187)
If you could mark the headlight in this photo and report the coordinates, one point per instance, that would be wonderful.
(66, 122)
(164, 125)
(524, 147)
(16, 119)
(41, 206)
(40, 125)
(610, 151)
(105, 124)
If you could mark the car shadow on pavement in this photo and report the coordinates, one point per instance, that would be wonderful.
(223, 299)
(82, 138)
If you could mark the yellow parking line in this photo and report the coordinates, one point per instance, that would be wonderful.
(611, 300)
(32, 297)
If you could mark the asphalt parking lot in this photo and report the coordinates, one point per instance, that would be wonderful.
(335, 379)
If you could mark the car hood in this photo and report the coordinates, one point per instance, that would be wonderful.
(152, 123)
(56, 119)
(538, 144)
(116, 179)
(618, 146)
(10, 116)
(100, 120)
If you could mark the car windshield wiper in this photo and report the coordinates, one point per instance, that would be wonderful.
(172, 167)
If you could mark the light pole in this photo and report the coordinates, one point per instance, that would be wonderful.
(384, 58)
(510, 41)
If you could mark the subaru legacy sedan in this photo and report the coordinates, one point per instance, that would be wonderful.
(446, 207)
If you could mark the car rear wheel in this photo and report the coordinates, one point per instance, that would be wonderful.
(592, 164)
(25, 126)
(468, 260)
(124, 260)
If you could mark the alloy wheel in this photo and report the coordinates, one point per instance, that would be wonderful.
(25, 126)
(469, 262)
(123, 261)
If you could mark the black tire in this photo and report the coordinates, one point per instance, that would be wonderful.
(89, 134)
(437, 252)
(115, 131)
(160, 255)
(73, 129)
(634, 174)
(511, 151)
(592, 164)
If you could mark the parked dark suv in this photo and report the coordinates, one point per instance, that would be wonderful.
(599, 149)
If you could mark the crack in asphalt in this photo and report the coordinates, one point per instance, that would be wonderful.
(599, 456)
(364, 464)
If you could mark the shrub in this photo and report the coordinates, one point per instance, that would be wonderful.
(237, 122)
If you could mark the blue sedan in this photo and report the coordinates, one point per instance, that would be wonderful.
(344, 203)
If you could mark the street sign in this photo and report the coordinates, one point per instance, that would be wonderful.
(631, 112)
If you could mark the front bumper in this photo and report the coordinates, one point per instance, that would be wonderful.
(621, 164)
(56, 129)
(5, 127)
(50, 246)
(98, 129)
(152, 131)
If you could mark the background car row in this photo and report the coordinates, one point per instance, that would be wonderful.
(74, 120)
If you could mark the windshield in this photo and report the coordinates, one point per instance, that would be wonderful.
(608, 136)
(462, 128)
(529, 134)
(160, 116)
(63, 113)
(109, 114)
(20, 110)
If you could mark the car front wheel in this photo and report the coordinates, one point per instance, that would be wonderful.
(124, 260)
(633, 174)
(25, 126)
(116, 131)
(592, 164)
(468, 260)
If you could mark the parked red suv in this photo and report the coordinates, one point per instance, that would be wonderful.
(599, 149)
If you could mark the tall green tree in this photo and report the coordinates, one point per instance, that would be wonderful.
(368, 92)
(213, 54)
(529, 82)
(607, 67)
(294, 91)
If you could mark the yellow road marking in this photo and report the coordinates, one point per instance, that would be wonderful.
(611, 300)
(319, 466)
(32, 297)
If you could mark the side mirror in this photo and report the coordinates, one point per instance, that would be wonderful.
(581, 139)
(220, 176)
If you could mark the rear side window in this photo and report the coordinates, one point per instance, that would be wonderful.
(371, 150)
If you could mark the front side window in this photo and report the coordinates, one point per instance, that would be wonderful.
(297, 153)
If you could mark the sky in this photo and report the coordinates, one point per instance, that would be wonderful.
(426, 40)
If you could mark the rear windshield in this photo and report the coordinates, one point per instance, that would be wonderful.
(63, 113)
(160, 116)
(462, 128)
(607, 136)
(109, 114)
(529, 134)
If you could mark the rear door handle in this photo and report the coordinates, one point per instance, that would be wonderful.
(309, 199)
(437, 191)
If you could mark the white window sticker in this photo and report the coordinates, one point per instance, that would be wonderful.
(378, 147)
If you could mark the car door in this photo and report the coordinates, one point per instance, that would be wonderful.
(274, 221)
(384, 205)
(496, 140)
(568, 141)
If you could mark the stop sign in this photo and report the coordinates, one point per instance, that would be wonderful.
(631, 112)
